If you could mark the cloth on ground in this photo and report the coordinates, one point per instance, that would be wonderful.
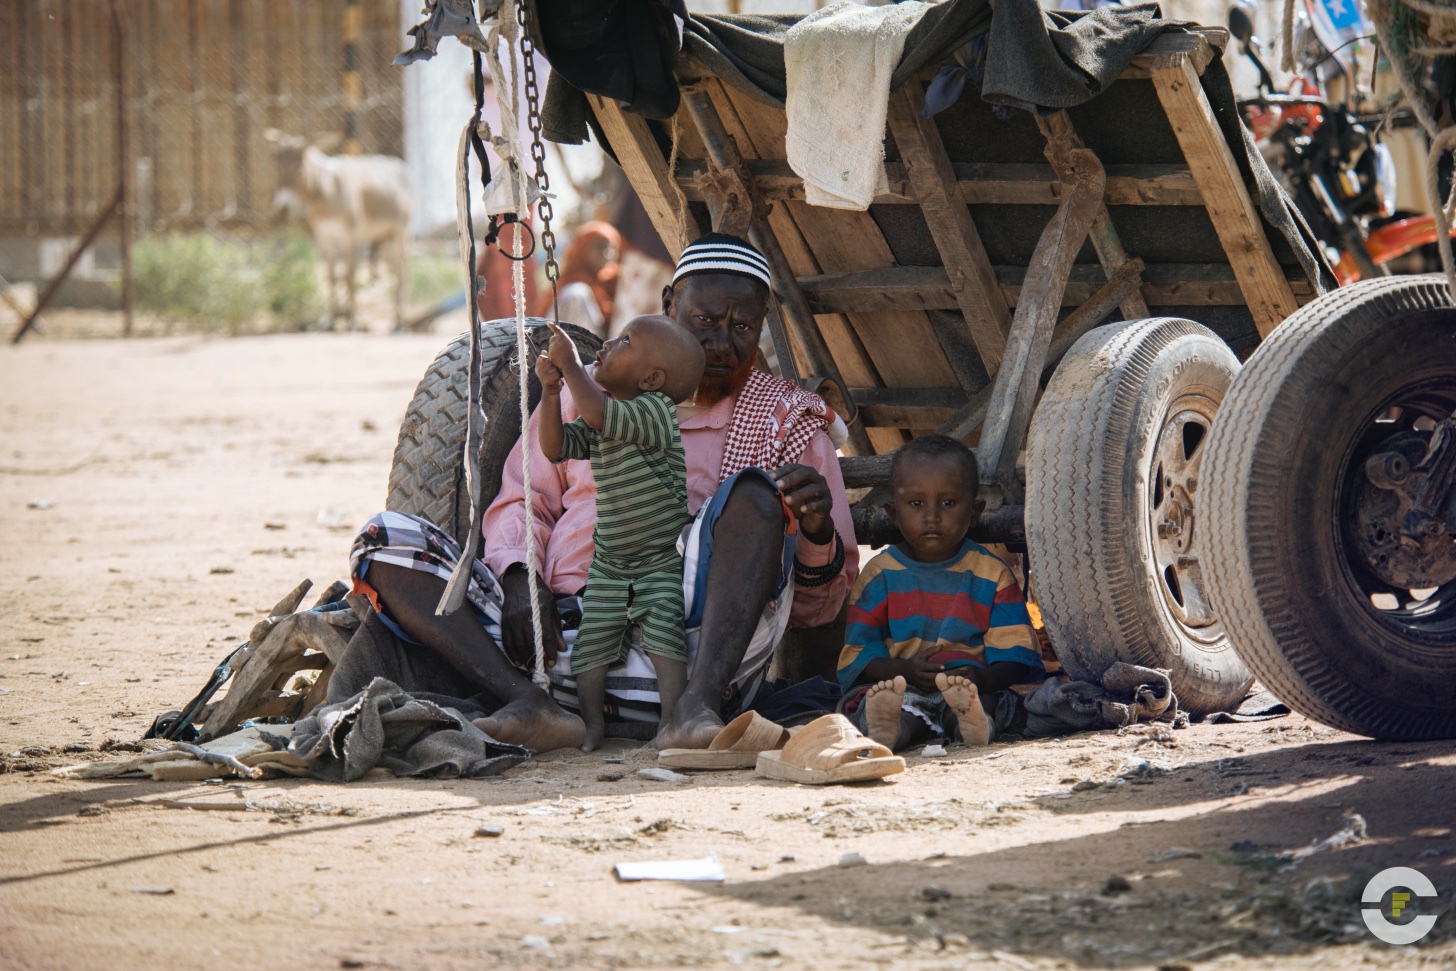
(1127, 693)
(255, 748)
(1256, 707)
(384, 725)
(794, 704)
(837, 67)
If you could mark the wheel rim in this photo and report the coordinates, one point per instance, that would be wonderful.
(1173, 528)
(1405, 423)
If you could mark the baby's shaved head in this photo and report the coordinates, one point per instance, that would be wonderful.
(673, 349)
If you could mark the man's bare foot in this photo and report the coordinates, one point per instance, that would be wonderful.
(882, 711)
(965, 701)
(540, 726)
(688, 727)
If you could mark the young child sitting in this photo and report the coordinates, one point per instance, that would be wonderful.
(938, 627)
(628, 428)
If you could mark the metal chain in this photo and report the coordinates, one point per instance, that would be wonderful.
(538, 151)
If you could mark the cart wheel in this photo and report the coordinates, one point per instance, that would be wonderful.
(428, 474)
(1114, 507)
(1332, 553)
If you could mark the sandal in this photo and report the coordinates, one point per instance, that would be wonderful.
(736, 746)
(829, 750)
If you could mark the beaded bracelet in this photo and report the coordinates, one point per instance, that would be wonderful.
(818, 576)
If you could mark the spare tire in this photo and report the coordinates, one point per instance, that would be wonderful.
(1113, 518)
(1335, 577)
(428, 474)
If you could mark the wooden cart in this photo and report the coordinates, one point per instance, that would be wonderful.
(1073, 295)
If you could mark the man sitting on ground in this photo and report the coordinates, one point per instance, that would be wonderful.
(750, 569)
(938, 628)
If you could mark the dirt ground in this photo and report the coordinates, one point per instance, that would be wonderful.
(158, 495)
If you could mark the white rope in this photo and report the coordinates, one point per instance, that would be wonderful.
(510, 153)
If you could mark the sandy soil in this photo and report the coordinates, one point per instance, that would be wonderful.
(158, 495)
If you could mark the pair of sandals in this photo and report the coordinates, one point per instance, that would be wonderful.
(828, 750)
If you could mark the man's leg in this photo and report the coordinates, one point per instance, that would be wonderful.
(747, 555)
(529, 716)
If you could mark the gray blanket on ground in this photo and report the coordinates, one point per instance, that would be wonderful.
(1127, 693)
(386, 726)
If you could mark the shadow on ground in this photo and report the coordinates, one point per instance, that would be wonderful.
(1220, 874)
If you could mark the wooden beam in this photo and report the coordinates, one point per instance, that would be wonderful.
(961, 251)
(1014, 390)
(1199, 45)
(637, 151)
(1062, 139)
(907, 407)
(981, 183)
(1265, 288)
(928, 287)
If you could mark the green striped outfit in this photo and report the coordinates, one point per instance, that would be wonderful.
(642, 506)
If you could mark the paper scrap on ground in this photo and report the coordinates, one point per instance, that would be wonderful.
(706, 870)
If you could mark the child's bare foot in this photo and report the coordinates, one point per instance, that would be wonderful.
(965, 701)
(596, 734)
(882, 711)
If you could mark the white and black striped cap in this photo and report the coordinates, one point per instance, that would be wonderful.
(721, 253)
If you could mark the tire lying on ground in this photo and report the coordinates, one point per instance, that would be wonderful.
(1114, 507)
(427, 477)
(1338, 597)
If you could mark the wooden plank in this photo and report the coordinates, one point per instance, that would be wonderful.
(969, 268)
(1014, 390)
(979, 183)
(907, 407)
(1262, 280)
(1200, 45)
(849, 354)
(637, 150)
(839, 240)
(928, 287)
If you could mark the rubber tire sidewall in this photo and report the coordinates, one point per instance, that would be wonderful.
(427, 475)
(1087, 523)
(1275, 567)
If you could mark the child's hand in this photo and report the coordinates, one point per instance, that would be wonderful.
(561, 350)
(549, 375)
(920, 673)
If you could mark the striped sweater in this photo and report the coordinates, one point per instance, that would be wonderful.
(969, 609)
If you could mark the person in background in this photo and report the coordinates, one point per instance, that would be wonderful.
(588, 285)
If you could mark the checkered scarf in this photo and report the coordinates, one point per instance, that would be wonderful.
(772, 423)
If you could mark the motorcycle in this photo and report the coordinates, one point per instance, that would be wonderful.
(1339, 175)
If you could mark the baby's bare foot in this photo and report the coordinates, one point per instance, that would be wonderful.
(965, 701)
(882, 711)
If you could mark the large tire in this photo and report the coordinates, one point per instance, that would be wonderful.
(428, 474)
(1112, 463)
(1291, 565)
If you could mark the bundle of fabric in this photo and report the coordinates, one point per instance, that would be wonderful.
(388, 727)
(1126, 694)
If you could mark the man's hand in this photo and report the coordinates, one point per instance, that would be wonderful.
(517, 638)
(562, 351)
(549, 375)
(807, 496)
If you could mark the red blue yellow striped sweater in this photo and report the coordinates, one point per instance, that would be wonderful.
(968, 607)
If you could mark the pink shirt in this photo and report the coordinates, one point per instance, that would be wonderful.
(565, 505)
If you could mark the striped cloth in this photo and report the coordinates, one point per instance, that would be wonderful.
(967, 610)
(642, 506)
